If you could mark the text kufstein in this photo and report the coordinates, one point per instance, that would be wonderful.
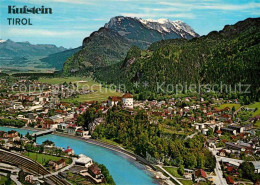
(25, 10)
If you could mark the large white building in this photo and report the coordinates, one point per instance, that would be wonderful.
(84, 161)
(128, 100)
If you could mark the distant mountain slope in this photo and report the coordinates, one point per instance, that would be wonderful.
(57, 60)
(110, 44)
(144, 32)
(25, 49)
(230, 56)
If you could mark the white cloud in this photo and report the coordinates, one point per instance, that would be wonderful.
(73, 1)
(152, 15)
(42, 32)
(210, 6)
(61, 1)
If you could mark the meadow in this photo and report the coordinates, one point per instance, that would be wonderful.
(44, 158)
(100, 93)
(255, 105)
(229, 105)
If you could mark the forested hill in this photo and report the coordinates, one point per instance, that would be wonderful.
(230, 56)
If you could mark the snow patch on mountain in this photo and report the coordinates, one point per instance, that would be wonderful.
(2, 41)
(165, 25)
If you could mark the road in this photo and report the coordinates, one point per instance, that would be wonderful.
(191, 136)
(230, 159)
(220, 180)
(238, 110)
(174, 178)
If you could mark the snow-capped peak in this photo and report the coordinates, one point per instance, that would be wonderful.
(2, 41)
(165, 25)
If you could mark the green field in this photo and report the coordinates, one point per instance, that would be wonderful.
(43, 158)
(255, 105)
(186, 182)
(64, 79)
(230, 105)
(100, 93)
(3, 180)
(76, 179)
(257, 124)
(173, 171)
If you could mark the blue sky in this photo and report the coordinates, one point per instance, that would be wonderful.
(73, 20)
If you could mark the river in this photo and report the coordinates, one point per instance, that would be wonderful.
(124, 170)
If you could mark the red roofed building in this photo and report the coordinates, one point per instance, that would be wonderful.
(12, 134)
(225, 117)
(222, 153)
(47, 123)
(95, 171)
(230, 180)
(232, 170)
(219, 132)
(69, 151)
(113, 100)
(127, 95)
(201, 173)
(209, 114)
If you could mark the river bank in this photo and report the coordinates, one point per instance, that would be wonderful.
(122, 164)
(101, 144)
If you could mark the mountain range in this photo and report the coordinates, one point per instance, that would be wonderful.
(110, 44)
(229, 56)
(13, 49)
(27, 55)
(104, 47)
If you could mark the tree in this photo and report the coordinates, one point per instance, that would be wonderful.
(109, 179)
(181, 170)
(233, 109)
(89, 116)
(80, 120)
(210, 132)
(248, 169)
(9, 181)
(48, 142)
(29, 136)
(190, 161)
(200, 161)
(210, 160)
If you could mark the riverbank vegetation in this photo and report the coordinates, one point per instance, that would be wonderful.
(12, 123)
(108, 178)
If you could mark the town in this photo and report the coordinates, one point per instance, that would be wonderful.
(187, 139)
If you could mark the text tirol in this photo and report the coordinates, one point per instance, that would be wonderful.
(25, 10)
(19, 21)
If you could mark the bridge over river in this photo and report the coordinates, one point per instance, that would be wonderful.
(42, 133)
